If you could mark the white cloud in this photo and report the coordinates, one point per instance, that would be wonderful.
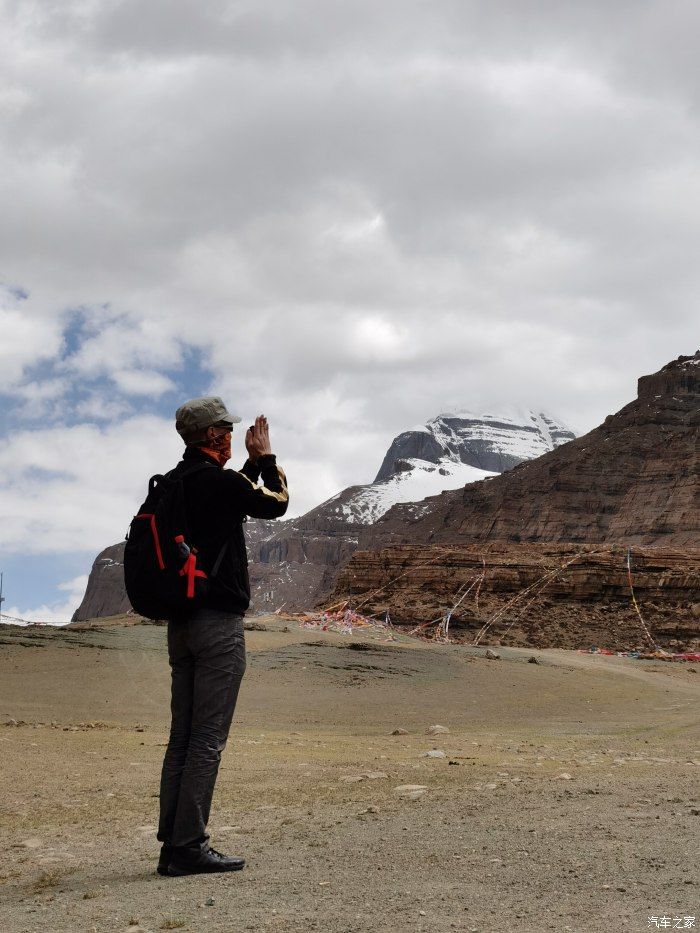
(382, 341)
(28, 335)
(38, 400)
(101, 405)
(142, 382)
(58, 613)
(77, 488)
(116, 343)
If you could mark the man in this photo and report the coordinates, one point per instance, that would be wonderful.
(207, 650)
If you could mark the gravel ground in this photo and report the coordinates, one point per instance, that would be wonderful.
(567, 797)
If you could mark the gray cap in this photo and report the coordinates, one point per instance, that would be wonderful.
(200, 413)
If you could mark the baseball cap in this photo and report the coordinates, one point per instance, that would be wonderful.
(197, 414)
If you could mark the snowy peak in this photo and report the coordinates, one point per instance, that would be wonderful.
(413, 481)
(451, 450)
(493, 442)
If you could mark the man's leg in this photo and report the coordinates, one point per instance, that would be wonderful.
(182, 666)
(218, 644)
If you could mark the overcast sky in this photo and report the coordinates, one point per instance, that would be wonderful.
(347, 215)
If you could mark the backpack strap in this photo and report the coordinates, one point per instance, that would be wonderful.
(153, 482)
(220, 557)
(172, 476)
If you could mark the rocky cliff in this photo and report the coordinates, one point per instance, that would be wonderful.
(105, 594)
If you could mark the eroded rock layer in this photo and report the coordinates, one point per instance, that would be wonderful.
(539, 595)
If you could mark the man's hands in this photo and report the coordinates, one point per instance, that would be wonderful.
(257, 438)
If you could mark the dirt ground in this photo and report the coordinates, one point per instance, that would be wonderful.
(567, 797)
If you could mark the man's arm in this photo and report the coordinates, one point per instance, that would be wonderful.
(251, 469)
(272, 498)
(267, 501)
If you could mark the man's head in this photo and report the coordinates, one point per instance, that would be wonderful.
(202, 420)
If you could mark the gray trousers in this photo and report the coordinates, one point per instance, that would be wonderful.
(207, 659)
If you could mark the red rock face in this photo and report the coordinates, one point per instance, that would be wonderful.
(634, 480)
(538, 595)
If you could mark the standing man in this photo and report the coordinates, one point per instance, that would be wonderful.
(207, 650)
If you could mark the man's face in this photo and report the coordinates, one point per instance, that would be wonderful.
(219, 439)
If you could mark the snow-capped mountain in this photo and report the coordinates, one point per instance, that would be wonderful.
(413, 480)
(492, 442)
(451, 450)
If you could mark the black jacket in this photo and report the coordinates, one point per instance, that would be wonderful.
(217, 502)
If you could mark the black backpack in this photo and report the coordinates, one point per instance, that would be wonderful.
(161, 574)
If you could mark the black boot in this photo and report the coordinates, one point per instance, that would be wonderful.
(187, 860)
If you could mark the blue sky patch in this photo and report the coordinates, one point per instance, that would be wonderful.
(31, 580)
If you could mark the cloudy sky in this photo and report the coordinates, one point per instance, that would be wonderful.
(347, 215)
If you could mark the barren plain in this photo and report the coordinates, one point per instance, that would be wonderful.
(563, 797)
